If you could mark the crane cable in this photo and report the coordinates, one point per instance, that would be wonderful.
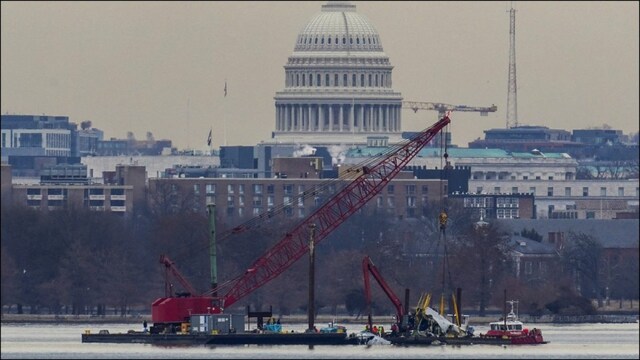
(443, 216)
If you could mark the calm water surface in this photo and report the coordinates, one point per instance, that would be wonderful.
(579, 341)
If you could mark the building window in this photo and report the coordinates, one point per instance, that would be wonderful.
(353, 80)
(379, 202)
(196, 189)
(585, 191)
(230, 200)
(603, 191)
(390, 189)
(479, 190)
(326, 80)
(240, 200)
(287, 189)
(525, 177)
(33, 192)
(344, 80)
(230, 189)
(532, 190)
(550, 191)
(425, 189)
(270, 201)
(514, 190)
(286, 201)
(496, 190)
(391, 202)
(411, 189)
(528, 267)
(117, 203)
(369, 80)
(270, 189)
(620, 191)
(257, 189)
(210, 189)
(240, 188)
(335, 80)
(567, 191)
(591, 215)
(319, 80)
(310, 79)
(361, 80)
(96, 203)
(257, 200)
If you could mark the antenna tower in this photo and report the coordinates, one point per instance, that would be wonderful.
(512, 91)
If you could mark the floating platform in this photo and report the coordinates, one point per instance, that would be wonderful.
(468, 340)
(246, 338)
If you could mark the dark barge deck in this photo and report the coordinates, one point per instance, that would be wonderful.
(474, 340)
(224, 339)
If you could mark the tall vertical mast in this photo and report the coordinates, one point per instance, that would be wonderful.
(512, 91)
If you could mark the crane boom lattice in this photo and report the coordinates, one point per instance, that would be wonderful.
(442, 108)
(330, 215)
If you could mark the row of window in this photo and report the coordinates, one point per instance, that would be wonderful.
(258, 200)
(64, 191)
(567, 191)
(287, 189)
(300, 212)
(370, 80)
(481, 176)
(330, 40)
(63, 203)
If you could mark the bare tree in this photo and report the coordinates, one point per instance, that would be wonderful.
(582, 256)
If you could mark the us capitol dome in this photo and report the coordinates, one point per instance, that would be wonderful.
(338, 84)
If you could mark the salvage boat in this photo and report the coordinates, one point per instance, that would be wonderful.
(512, 329)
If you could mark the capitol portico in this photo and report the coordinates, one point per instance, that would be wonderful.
(338, 83)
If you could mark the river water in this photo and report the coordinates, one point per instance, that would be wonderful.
(573, 341)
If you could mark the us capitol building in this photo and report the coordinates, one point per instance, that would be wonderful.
(338, 84)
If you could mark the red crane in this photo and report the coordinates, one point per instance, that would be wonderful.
(329, 216)
(369, 267)
(294, 245)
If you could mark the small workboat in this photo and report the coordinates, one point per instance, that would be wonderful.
(511, 328)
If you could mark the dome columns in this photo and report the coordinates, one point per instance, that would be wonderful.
(328, 117)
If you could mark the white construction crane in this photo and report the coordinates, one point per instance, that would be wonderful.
(443, 108)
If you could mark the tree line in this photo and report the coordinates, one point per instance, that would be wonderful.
(77, 261)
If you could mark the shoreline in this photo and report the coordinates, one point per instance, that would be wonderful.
(609, 317)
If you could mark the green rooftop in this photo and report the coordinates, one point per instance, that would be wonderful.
(367, 151)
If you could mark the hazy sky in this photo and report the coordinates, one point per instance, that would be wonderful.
(161, 66)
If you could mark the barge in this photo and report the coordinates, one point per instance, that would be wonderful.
(246, 338)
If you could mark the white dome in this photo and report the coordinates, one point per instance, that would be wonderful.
(338, 27)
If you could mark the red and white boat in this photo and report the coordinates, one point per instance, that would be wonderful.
(511, 328)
